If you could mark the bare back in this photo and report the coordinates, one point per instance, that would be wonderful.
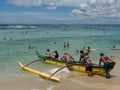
(48, 54)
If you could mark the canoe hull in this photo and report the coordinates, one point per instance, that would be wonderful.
(81, 68)
(76, 67)
(41, 74)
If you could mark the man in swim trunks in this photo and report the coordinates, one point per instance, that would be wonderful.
(88, 64)
(105, 59)
(68, 58)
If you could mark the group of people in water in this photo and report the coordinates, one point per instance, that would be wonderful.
(88, 49)
(84, 59)
(10, 38)
(66, 44)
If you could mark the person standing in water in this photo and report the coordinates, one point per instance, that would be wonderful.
(88, 49)
(82, 55)
(105, 59)
(77, 51)
(68, 58)
(64, 44)
(88, 64)
(67, 44)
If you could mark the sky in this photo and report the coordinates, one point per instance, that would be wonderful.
(59, 11)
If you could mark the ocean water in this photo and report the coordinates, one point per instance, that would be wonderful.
(15, 39)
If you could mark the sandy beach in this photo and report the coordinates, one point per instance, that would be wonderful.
(69, 81)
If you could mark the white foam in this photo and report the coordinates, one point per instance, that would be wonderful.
(35, 89)
(50, 88)
(59, 73)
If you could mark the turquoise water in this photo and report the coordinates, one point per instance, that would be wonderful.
(42, 37)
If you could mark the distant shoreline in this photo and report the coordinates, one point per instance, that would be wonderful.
(56, 24)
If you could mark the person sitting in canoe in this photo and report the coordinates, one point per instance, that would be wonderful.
(48, 53)
(88, 64)
(55, 54)
(105, 59)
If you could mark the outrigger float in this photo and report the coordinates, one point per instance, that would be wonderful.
(96, 69)
(41, 74)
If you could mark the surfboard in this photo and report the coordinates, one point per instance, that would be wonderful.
(90, 49)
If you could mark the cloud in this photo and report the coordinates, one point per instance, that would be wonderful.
(98, 8)
(52, 6)
(25, 2)
(80, 9)
(49, 18)
(45, 2)
(83, 7)
(78, 13)
(95, 8)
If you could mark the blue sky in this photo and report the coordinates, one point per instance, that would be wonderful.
(59, 11)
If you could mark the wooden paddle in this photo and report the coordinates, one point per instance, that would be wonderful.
(32, 62)
(60, 69)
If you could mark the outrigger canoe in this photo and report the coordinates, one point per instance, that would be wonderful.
(41, 74)
(75, 65)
